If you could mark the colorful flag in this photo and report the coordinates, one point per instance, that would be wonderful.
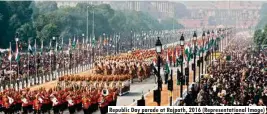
(93, 41)
(10, 53)
(77, 44)
(30, 47)
(42, 46)
(69, 47)
(56, 46)
(167, 65)
(17, 56)
(61, 45)
(74, 43)
(35, 47)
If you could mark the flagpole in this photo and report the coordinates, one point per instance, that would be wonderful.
(17, 52)
(28, 60)
(10, 75)
(42, 58)
(36, 71)
(78, 63)
(50, 54)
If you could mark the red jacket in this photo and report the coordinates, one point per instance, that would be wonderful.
(102, 101)
(36, 104)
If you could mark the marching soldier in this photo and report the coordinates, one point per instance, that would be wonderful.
(37, 105)
(6, 105)
(25, 104)
(70, 104)
(86, 103)
(55, 104)
(1, 103)
(102, 101)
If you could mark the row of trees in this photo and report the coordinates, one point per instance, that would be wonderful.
(263, 16)
(260, 36)
(43, 20)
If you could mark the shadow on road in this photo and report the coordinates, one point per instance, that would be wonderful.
(132, 94)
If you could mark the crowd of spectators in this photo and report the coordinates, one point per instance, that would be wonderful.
(41, 63)
(240, 81)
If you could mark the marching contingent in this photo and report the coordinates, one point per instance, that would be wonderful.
(97, 89)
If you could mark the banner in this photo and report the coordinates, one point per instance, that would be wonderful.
(186, 109)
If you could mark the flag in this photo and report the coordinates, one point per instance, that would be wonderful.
(17, 56)
(56, 46)
(35, 47)
(73, 44)
(77, 44)
(173, 55)
(50, 48)
(93, 41)
(61, 45)
(10, 53)
(30, 48)
(86, 43)
(69, 47)
(50, 45)
(90, 41)
(188, 53)
(99, 41)
(177, 53)
(83, 44)
(42, 46)
(167, 65)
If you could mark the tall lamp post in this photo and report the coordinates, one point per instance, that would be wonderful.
(212, 46)
(54, 57)
(194, 65)
(208, 34)
(158, 50)
(203, 46)
(182, 63)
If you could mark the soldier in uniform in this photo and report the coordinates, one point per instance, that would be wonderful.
(25, 104)
(103, 103)
(37, 105)
(86, 103)
(1, 103)
(55, 103)
(70, 104)
(6, 105)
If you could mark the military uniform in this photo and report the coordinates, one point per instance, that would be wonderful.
(86, 103)
(70, 105)
(25, 104)
(37, 106)
(103, 104)
(55, 104)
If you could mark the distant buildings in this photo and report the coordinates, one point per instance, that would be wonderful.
(244, 14)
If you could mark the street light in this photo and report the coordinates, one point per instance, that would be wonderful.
(194, 65)
(202, 56)
(157, 93)
(182, 62)
(209, 56)
(212, 46)
(17, 37)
